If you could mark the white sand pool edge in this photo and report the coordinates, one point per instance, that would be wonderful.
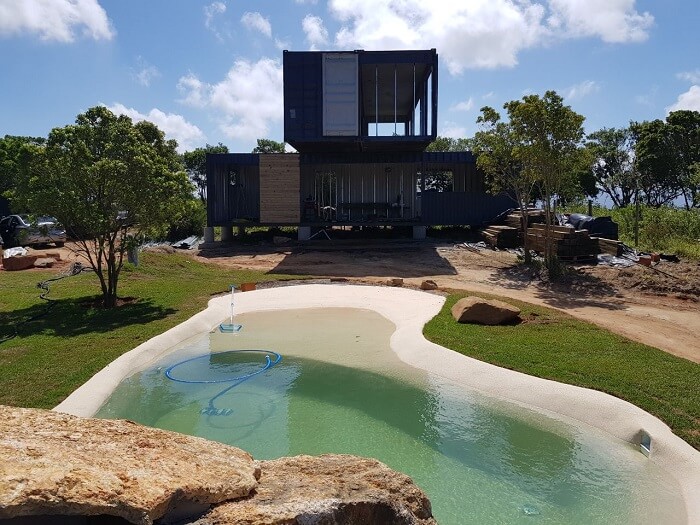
(409, 310)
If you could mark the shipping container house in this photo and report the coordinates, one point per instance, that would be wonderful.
(360, 122)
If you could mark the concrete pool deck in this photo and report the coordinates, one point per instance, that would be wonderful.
(409, 310)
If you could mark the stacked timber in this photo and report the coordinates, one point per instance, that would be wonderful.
(534, 216)
(501, 236)
(565, 242)
(610, 246)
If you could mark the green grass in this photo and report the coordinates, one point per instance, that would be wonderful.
(59, 351)
(555, 346)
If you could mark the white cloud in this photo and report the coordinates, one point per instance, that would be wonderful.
(246, 102)
(187, 135)
(314, 2)
(614, 21)
(145, 72)
(316, 33)
(256, 21)
(483, 33)
(454, 130)
(465, 105)
(581, 90)
(689, 100)
(57, 20)
(195, 90)
(690, 76)
(211, 12)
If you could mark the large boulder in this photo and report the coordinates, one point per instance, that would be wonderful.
(484, 311)
(328, 489)
(55, 464)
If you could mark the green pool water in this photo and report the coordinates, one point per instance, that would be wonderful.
(340, 388)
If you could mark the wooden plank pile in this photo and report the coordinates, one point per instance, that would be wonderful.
(534, 216)
(501, 236)
(610, 246)
(566, 243)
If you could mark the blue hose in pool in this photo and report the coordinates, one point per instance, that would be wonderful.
(211, 409)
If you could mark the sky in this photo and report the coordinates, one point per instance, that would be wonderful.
(211, 71)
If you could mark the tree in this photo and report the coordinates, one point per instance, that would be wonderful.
(548, 138)
(196, 166)
(666, 156)
(14, 158)
(613, 165)
(448, 144)
(107, 180)
(495, 145)
(269, 146)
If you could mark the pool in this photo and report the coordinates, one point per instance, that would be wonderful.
(341, 388)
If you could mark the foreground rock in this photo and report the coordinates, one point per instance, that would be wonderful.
(484, 311)
(328, 489)
(56, 464)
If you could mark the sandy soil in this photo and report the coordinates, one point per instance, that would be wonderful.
(659, 306)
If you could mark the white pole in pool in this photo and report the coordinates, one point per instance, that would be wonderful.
(232, 288)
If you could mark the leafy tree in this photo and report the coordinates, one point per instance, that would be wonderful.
(613, 165)
(548, 137)
(269, 146)
(495, 145)
(107, 180)
(15, 152)
(667, 154)
(656, 161)
(448, 144)
(196, 166)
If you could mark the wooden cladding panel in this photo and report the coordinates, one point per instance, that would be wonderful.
(279, 188)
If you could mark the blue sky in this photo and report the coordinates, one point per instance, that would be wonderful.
(209, 72)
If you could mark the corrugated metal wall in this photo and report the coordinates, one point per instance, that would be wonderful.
(468, 208)
(233, 188)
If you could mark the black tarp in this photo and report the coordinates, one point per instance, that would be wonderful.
(596, 226)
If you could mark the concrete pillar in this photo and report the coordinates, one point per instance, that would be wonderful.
(419, 232)
(227, 233)
(304, 233)
(208, 234)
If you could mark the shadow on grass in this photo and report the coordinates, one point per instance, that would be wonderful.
(71, 317)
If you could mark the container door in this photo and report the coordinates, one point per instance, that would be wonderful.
(340, 95)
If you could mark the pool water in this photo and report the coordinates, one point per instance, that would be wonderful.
(340, 388)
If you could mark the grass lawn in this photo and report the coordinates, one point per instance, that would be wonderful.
(59, 351)
(554, 345)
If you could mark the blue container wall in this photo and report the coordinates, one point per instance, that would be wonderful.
(303, 96)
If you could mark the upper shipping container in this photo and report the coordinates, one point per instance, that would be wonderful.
(360, 100)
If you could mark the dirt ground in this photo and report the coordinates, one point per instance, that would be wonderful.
(659, 306)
